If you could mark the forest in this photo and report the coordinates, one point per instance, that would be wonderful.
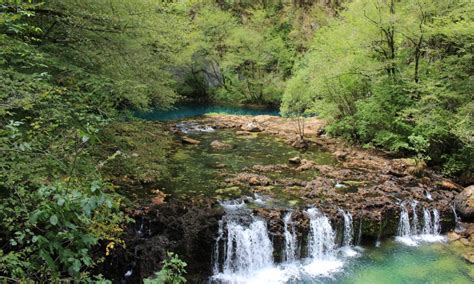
(394, 76)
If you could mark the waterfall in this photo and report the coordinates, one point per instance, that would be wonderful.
(321, 237)
(248, 247)
(290, 238)
(458, 227)
(404, 224)
(244, 240)
(409, 232)
(244, 252)
(427, 226)
(414, 225)
(348, 228)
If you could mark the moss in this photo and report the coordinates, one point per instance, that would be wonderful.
(134, 151)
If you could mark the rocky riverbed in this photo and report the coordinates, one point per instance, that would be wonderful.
(370, 184)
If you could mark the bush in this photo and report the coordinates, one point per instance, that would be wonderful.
(171, 273)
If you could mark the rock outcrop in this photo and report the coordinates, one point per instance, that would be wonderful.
(465, 203)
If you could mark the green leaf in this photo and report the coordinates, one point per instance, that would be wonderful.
(53, 220)
(61, 201)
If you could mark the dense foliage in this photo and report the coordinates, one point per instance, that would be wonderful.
(396, 75)
(386, 73)
(172, 272)
(244, 50)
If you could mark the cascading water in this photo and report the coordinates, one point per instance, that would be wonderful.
(348, 229)
(409, 233)
(427, 224)
(290, 238)
(347, 237)
(244, 252)
(458, 227)
(404, 229)
(322, 238)
(247, 246)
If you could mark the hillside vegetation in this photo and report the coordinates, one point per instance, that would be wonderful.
(397, 75)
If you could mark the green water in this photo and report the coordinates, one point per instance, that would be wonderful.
(395, 263)
(191, 110)
(201, 170)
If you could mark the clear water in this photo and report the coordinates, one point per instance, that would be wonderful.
(191, 110)
(394, 263)
(201, 170)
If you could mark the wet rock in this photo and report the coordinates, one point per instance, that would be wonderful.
(466, 242)
(295, 160)
(243, 133)
(218, 145)
(453, 236)
(305, 165)
(469, 257)
(270, 168)
(187, 140)
(180, 227)
(300, 143)
(465, 203)
(449, 185)
(229, 191)
(251, 127)
(250, 179)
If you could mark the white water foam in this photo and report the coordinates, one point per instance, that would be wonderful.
(247, 251)
(408, 233)
(192, 127)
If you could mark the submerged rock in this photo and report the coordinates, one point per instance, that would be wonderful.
(218, 145)
(250, 179)
(243, 133)
(187, 140)
(229, 191)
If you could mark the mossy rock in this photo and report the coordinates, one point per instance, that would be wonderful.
(229, 191)
(181, 155)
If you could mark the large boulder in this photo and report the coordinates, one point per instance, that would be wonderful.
(465, 203)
